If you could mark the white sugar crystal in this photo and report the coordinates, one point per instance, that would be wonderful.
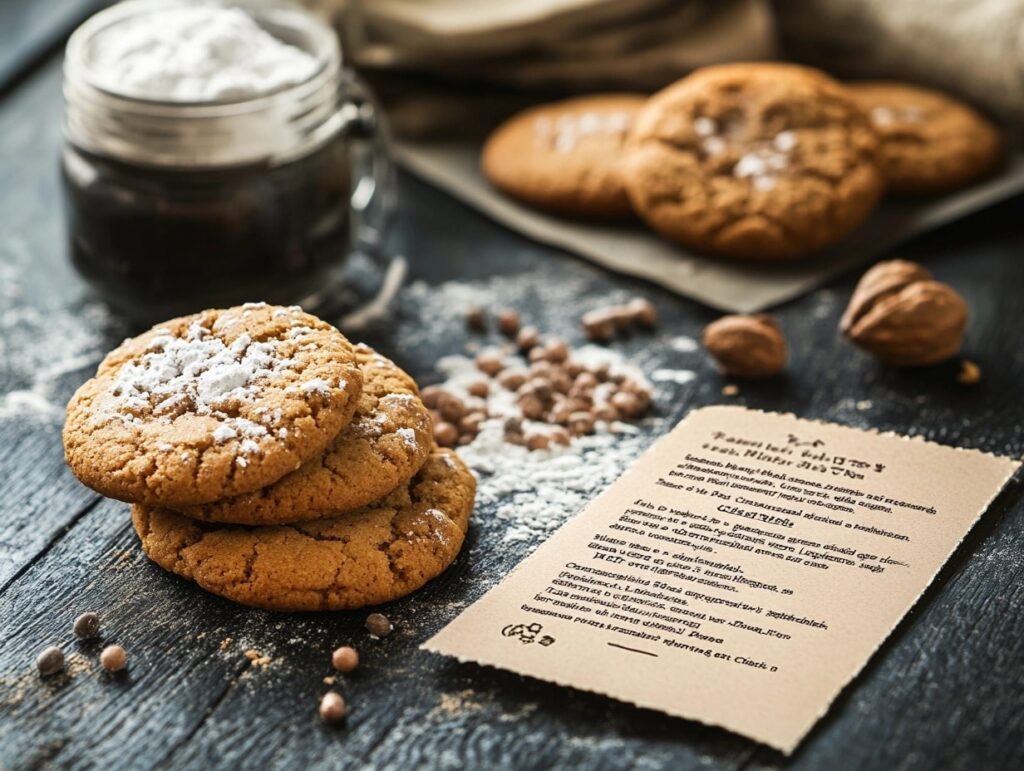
(224, 433)
(705, 127)
(317, 386)
(750, 165)
(785, 141)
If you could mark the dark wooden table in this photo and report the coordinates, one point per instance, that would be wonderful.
(945, 691)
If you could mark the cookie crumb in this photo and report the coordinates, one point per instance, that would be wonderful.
(332, 707)
(730, 390)
(113, 658)
(330, 680)
(50, 661)
(87, 626)
(257, 659)
(378, 625)
(225, 644)
(969, 374)
(345, 658)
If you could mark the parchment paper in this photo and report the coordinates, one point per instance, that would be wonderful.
(722, 284)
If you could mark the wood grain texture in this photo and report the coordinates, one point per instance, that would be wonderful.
(943, 691)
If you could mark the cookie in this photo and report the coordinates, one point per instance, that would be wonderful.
(211, 405)
(753, 161)
(565, 157)
(387, 441)
(365, 557)
(930, 143)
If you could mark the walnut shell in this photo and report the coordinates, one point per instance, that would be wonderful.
(746, 346)
(899, 314)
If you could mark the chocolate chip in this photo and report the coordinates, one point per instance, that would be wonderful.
(581, 423)
(528, 338)
(536, 355)
(531, 406)
(508, 322)
(512, 379)
(476, 319)
(598, 326)
(478, 388)
(556, 351)
(538, 441)
(445, 434)
(628, 404)
(378, 625)
(430, 395)
(560, 436)
(489, 363)
(345, 659)
(470, 424)
(50, 661)
(113, 658)
(643, 312)
(332, 707)
(605, 412)
(87, 626)
(513, 426)
(451, 407)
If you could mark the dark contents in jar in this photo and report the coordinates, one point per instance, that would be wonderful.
(157, 243)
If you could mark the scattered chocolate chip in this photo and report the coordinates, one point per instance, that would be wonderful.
(556, 351)
(581, 423)
(479, 388)
(512, 379)
(536, 355)
(430, 395)
(622, 318)
(969, 374)
(643, 312)
(626, 403)
(560, 436)
(476, 319)
(538, 441)
(513, 425)
(508, 322)
(541, 388)
(50, 661)
(598, 326)
(730, 390)
(378, 625)
(332, 707)
(489, 363)
(528, 338)
(451, 407)
(87, 626)
(113, 658)
(445, 434)
(345, 659)
(531, 406)
(471, 423)
(605, 412)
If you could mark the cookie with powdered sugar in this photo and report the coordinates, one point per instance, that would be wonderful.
(365, 557)
(387, 442)
(760, 161)
(212, 405)
(565, 157)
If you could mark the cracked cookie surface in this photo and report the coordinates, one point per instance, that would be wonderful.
(211, 405)
(565, 157)
(753, 161)
(386, 442)
(930, 142)
(365, 557)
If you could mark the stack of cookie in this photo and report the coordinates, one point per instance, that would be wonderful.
(756, 161)
(271, 461)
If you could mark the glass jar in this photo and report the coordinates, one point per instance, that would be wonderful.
(177, 206)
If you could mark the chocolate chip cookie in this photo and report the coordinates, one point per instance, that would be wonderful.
(930, 142)
(212, 405)
(365, 557)
(755, 161)
(387, 441)
(565, 157)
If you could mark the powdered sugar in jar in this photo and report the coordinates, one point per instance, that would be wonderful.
(215, 152)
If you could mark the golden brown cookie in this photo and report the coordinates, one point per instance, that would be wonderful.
(387, 441)
(211, 405)
(930, 142)
(754, 161)
(365, 557)
(565, 157)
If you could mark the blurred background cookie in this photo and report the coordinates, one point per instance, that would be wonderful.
(565, 157)
(930, 142)
(755, 161)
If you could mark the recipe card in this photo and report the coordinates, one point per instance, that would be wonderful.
(741, 573)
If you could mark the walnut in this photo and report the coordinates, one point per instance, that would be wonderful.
(899, 314)
(746, 346)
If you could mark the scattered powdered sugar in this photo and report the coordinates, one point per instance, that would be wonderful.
(680, 376)
(565, 132)
(683, 344)
(409, 436)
